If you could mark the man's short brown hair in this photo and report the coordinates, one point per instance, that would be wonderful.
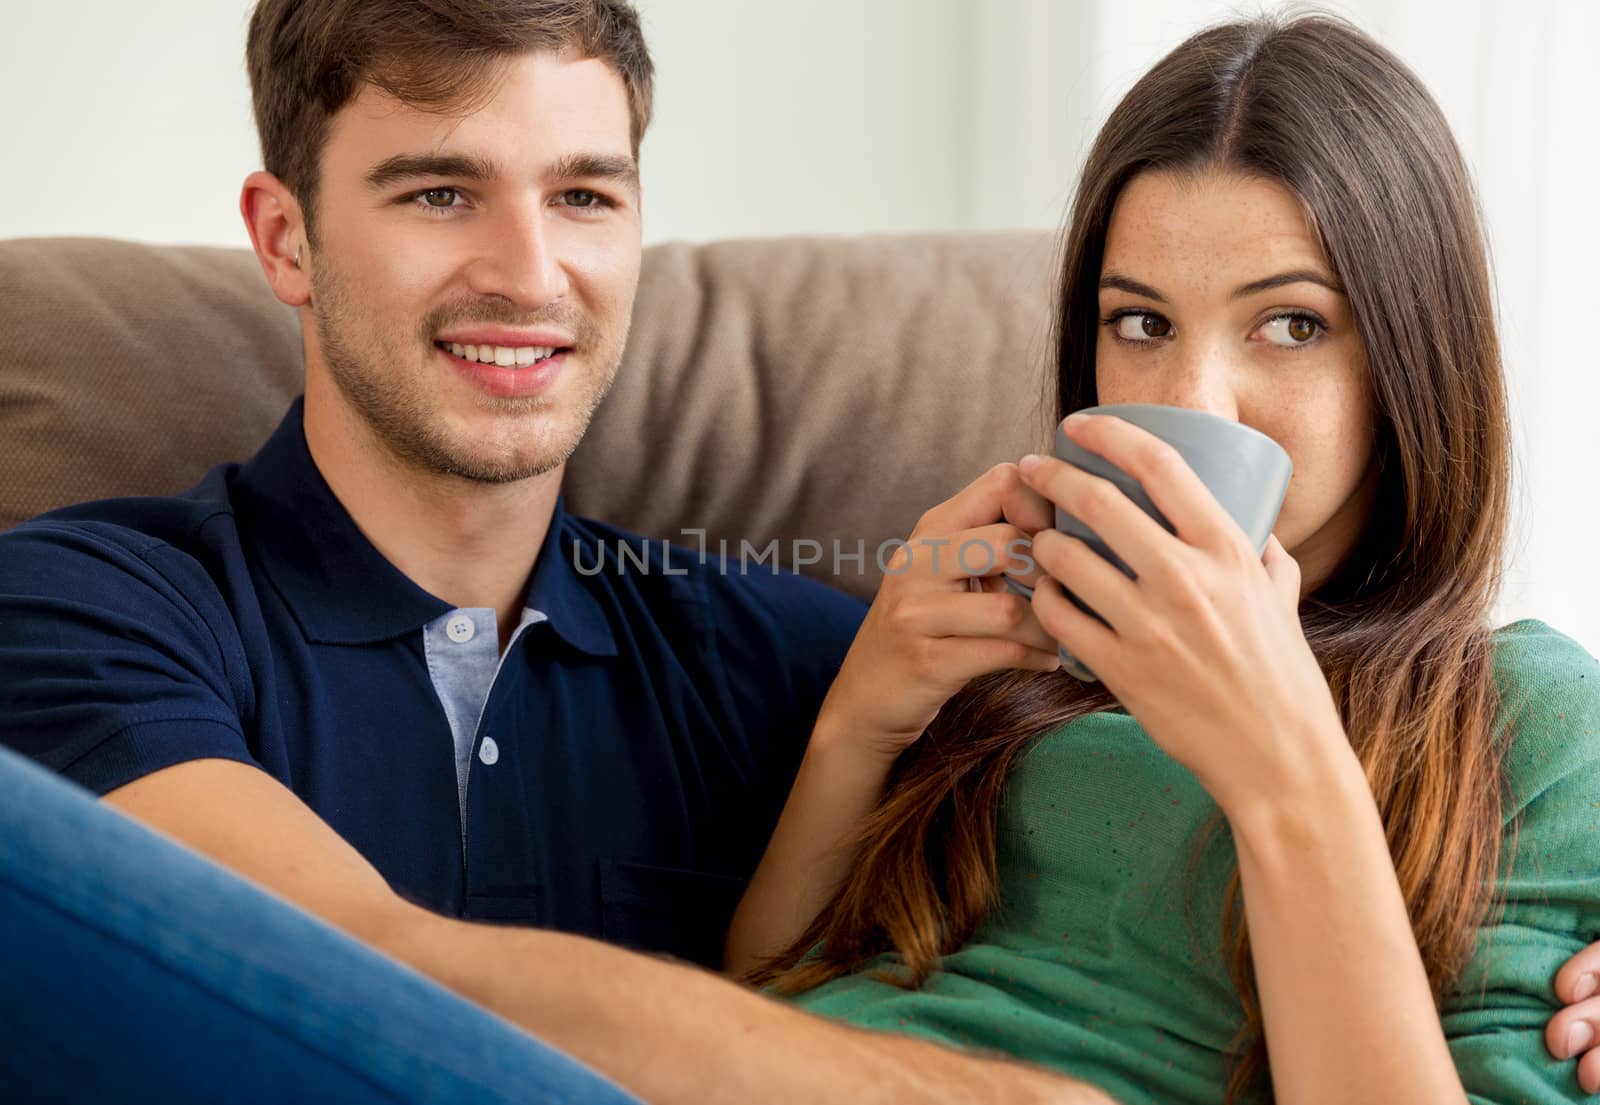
(308, 58)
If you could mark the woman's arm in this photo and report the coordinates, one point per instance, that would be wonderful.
(838, 785)
(1345, 1002)
(1204, 647)
(1310, 891)
(927, 634)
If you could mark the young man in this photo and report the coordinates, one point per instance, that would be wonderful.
(364, 670)
(386, 617)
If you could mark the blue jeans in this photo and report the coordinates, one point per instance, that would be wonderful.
(131, 969)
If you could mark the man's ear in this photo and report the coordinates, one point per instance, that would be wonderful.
(277, 232)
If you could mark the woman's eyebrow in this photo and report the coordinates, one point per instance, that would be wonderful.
(1112, 280)
(1116, 281)
(1295, 276)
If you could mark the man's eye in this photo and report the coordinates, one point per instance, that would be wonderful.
(583, 198)
(1291, 330)
(439, 197)
(1140, 326)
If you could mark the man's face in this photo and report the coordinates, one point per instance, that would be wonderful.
(452, 250)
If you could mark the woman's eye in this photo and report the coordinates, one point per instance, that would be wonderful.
(1141, 326)
(1291, 330)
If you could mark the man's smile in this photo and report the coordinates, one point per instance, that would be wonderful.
(504, 356)
(506, 371)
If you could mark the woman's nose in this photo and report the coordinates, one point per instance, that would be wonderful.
(1204, 383)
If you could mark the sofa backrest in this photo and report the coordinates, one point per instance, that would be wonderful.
(819, 391)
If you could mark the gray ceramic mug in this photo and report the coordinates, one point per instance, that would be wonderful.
(1245, 469)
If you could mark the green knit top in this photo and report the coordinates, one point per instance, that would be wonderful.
(1104, 958)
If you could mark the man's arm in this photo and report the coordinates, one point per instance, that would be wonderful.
(670, 1033)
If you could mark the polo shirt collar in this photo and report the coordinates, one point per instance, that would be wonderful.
(557, 590)
(339, 586)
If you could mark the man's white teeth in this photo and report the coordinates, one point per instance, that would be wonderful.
(504, 356)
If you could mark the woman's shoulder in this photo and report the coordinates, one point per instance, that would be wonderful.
(1541, 672)
(1533, 644)
(1549, 714)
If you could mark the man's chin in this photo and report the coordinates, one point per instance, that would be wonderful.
(492, 476)
(481, 458)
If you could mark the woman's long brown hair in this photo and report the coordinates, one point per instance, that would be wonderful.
(1401, 630)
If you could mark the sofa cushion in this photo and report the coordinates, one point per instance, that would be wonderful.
(809, 389)
(128, 369)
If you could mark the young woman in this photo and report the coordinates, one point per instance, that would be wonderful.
(1317, 808)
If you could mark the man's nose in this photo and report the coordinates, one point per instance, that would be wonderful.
(519, 259)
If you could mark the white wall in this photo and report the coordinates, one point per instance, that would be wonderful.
(814, 117)
(850, 116)
(125, 119)
(828, 116)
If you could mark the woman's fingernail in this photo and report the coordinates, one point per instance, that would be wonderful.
(1029, 463)
(1585, 987)
(1078, 418)
(1579, 1036)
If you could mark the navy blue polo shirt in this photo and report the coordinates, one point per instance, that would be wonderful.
(645, 730)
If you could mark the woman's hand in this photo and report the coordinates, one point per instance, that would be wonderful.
(1205, 647)
(943, 616)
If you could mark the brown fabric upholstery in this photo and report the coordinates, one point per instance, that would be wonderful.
(824, 389)
(128, 369)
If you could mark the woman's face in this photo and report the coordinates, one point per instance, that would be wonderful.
(1214, 295)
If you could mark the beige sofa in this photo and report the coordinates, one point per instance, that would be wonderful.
(821, 390)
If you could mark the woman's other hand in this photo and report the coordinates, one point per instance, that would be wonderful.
(943, 615)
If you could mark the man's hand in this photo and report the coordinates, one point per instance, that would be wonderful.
(1575, 1030)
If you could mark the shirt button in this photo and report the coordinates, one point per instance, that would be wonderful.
(489, 751)
(460, 629)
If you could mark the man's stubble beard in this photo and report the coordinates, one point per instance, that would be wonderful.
(405, 423)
